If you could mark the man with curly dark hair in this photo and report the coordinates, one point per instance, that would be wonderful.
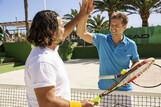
(45, 76)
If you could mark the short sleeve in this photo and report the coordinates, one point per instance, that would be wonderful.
(97, 38)
(135, 55)
(42, 75)
(94, 39)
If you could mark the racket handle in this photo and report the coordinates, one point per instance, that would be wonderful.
(96, 100)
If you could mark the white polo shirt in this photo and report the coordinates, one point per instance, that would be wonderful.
(44, 68)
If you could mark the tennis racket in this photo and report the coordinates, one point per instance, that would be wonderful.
(128, 77)
(150, 78)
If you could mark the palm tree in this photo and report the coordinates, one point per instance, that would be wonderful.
(144, 8)
(70, 16)
(110, 6)
(26, 15)
(97, 23)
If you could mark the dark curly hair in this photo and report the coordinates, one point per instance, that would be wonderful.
(43, 26)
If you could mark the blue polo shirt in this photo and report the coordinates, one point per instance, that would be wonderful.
(114, 58)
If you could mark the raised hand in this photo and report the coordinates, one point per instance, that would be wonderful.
(86, 7)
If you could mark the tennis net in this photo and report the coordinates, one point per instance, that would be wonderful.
(15, 96)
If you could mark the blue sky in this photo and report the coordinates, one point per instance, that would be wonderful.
(12, 9)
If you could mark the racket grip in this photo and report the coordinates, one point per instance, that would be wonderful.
(96, 100)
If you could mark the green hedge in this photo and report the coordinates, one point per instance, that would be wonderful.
(149, 50)
(1, 48)
(85, 52)
(18, 50)
(66, 50)
(145, 35)
(142, 35)
(144, 50)
(21, 50)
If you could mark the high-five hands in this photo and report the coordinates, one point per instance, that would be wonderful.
(86, 7)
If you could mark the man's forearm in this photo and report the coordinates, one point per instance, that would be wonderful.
(53, 102)
(82, 26)
(59, 102)
(70, 25)
(82, 30)
(80, 20)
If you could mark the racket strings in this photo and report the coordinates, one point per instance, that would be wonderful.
(157, 65)
(150, 86)
(132, 74)
(153, 86)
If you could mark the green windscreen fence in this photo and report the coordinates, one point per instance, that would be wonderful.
(142, 35)
(145, 35)
(148, 40)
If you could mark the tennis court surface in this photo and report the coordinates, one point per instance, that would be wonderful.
(83, 75)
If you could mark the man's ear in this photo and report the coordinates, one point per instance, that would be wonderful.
(54, 36)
